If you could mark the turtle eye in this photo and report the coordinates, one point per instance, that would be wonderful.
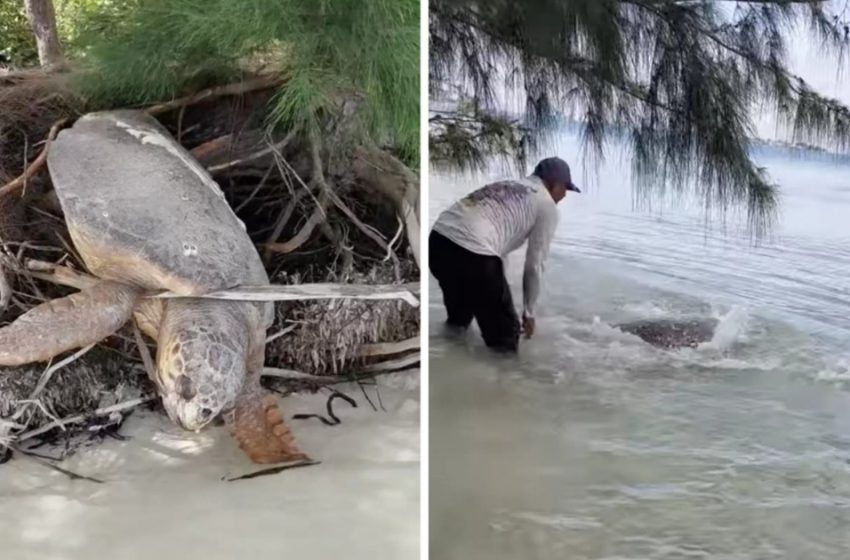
(185, 387)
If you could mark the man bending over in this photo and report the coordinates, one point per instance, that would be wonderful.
(470, 239)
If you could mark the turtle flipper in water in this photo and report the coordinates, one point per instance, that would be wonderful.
(669, 333)
(67, 323)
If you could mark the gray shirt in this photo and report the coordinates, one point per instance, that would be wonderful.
(498, 218)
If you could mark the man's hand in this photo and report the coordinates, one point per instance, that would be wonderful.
(528, 326)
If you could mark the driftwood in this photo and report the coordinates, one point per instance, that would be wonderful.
(273, 292)
(386, 348)
(281, 373)
(391, 365)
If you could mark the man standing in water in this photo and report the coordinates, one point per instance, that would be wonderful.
(470, 239)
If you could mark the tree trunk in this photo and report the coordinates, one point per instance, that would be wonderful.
(42, 19)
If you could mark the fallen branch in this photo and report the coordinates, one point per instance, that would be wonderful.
(270, 292)
(280, 373)
(385, 366)
(21, 181)
(238, 88)
(211, 147)
(256, 155)
(79, 418)
(48, 373)
(391, 365)
(5, 289)
(276, 292)
(279, 334)
(11, 77)
(385, 348)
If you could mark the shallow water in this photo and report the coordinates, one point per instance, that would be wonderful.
(165, 496)
(593, 444)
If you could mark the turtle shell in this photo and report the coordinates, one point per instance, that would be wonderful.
(141, 210)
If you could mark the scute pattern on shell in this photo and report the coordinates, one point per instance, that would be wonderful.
(157, 218)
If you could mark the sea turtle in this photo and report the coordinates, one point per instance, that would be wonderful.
(670, 333)
(145, 216)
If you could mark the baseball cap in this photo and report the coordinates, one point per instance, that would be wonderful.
(556, 170)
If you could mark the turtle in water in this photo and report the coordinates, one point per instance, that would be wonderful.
(145, 217)
(670, 333)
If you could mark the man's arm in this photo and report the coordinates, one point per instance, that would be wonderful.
(539, 241)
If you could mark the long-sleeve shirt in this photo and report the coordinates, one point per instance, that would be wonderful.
(498, 218)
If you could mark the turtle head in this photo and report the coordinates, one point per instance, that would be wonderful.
(198, 378)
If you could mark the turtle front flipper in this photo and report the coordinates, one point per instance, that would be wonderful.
(67, 323)
(257, 425)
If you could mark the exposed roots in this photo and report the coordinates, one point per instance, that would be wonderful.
(329, 337)
(31, 105)
(312, 222)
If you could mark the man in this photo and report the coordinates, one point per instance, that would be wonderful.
(470, 239)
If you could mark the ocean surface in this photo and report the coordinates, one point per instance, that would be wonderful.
(591, 444)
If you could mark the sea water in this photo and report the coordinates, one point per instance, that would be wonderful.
(592, 444)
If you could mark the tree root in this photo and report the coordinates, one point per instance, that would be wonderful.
(300, 238)
(237, 88)
(20, 182)
(390, 177)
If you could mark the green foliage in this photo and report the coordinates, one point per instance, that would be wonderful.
(683, 79)
(352, 59)
(466, 140)
(17, 45)
(76, 17)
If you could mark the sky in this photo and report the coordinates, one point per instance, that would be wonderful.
(805, 59)
(819, 69)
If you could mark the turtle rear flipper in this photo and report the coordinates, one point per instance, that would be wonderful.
(67, 323)
(257, 425)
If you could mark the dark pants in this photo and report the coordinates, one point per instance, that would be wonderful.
(475, 286)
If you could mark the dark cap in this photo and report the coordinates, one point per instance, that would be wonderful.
(555, 170)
